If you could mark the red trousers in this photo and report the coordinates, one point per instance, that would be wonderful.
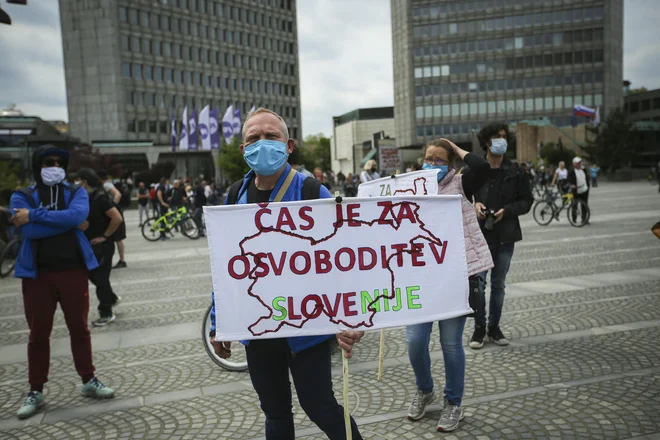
(40, 298)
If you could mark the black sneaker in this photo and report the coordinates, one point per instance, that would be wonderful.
(104, 320)
(477, 340)
(120, 265)
(496, 336)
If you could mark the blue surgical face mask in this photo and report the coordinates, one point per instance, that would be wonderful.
(265, 156)
(442, 169)
(498, 146)
(52, 175)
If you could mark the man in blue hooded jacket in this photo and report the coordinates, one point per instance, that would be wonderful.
(266, 146)
(54, 261)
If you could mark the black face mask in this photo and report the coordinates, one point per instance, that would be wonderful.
(373, 170)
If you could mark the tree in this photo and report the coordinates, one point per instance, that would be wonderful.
(85, 156)
(639, 90)
(231, 161)
(315, 153)
(10, 176)
(155, 173)
(553, 154)
(611, 144)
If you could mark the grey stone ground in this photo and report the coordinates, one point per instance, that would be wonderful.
(582, 311)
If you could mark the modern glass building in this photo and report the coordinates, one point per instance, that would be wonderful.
(461, 64)
(128, 63)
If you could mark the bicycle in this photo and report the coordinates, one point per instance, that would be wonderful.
(237, 362)
(8, 257)
(546, 210)
(154, 226)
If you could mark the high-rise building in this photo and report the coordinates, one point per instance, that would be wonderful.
(129, 62)
(459, 64)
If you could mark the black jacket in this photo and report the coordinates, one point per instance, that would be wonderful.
(514, 194)
(573, 180)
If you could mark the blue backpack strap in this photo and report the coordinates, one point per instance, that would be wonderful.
(28, 193)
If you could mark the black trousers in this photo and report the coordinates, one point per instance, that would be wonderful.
(269, 361)
(585, 197)
(100, 277)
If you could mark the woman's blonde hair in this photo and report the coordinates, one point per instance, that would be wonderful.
(371, 163)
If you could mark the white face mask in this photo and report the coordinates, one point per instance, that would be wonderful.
(52, 176)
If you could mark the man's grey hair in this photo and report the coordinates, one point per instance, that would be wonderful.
(285, 129)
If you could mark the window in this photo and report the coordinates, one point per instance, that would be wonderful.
(446, 110)
(144, 19)
(428, 111)
(418, 72)
(482, 108)
(548, 103)
(125, 44)
(146, 46)
(133, 16)
(444, 70)
(164, 23)
(167, 49)
(148, 73)
(568, 102)
(473, 108)
(130, 126)
(158, 73)
(169, 77)
(492, 107)
(558, 102)
(137, 71)
(126, 70)
(427, 72)
(598, 100)
(529, 104)
(646, 105)
(123, 15)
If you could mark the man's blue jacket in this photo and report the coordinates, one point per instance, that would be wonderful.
(295, 191)
(44, 223)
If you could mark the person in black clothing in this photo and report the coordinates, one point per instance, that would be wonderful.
(580, 183)
(143, 201)
(161, 200)
(200, 201)
(505, 196)
(103, 220)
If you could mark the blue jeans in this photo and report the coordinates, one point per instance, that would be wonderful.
(451, 338)
(502, 255)
(270, 361)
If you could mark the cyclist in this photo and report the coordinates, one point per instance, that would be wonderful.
(163, 207)
(561, 178)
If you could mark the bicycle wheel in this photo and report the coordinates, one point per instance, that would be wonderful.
(578, 213)
(544, 212)
(189, 228)
(151, 229)
(237, 361)
(8, 257)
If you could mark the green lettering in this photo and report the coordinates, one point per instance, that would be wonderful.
(365, 299)
(382, 190)
(386, 301)
(279, 308)
(412, 297)
(389, 191)
(399, 303)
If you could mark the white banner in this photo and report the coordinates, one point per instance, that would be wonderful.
(390, 159)
(317, 267)
(420, 183)
(204, 128)
(183, 140)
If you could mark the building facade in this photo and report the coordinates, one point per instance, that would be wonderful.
(460, 64)
(643, 110)
(128, 63)
(353, 136)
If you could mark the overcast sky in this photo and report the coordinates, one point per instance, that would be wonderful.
(345, 57)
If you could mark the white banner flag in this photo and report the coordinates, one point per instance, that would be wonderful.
(183, 140)
(317, 267)
(420, 183)
(204, 128)
(227, 120)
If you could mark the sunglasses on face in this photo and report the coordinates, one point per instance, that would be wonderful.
(51, 162)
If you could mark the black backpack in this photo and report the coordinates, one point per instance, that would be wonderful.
(311, 190)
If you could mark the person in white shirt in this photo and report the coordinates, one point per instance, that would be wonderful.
(369, 172)
(580, 182)
(560, 177)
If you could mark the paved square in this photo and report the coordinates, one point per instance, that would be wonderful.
(582, 312)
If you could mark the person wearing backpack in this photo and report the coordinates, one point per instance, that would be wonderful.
(266, 146)
(54, 262)
(116, 197)
(100, 227)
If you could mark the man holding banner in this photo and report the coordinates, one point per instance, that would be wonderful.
(266, 146)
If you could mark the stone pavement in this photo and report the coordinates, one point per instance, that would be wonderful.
(582, 312)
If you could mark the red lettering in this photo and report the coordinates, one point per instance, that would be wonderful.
(361, 260)
(351, 215)
(383, 256)
(257, 218)
(292, 312)
(348, 304)
(340, 216)
(332, 311)
(303, 216)
(316, 311)
(416, 254)
(306, 267)
(261, 266)
(398, 249)
(405, 211)
(351, 259)
(439, 258)
(322, 261)
(246, 267)
(284, 219)
(277, 270)
(387, 208)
